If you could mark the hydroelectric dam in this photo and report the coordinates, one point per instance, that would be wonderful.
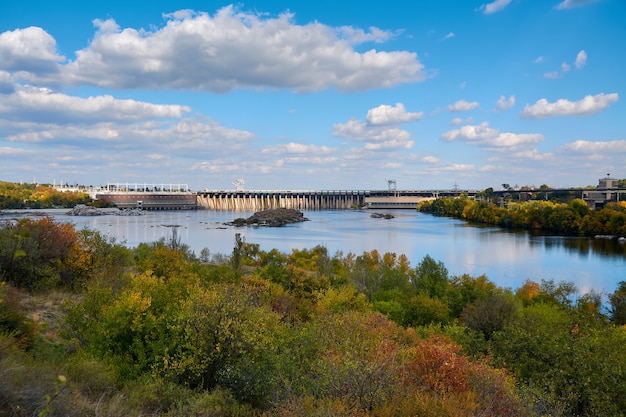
(316, 200)
(179, 197)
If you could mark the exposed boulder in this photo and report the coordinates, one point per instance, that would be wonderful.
(84, 210)
(129, 212)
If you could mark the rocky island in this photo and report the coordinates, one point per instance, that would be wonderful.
(382, 216)
(85, 210)
(272, 217)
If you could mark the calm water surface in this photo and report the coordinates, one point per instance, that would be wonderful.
(507, 258)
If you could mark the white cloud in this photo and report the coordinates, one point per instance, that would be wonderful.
(310, 159)
(109, 128)
(584, 107)
(462, 105)
(399, 143)
(363, 132)
(570, 4)
(379, 131)
(504, 103)
(495, 6)
(456, 121)
(221, 52)
(588, 147)
(491, 139)
(538, 60)
(7, 151)
(581, 59)
(30, 50)
(297, 148)
(431, 159)
(531, 154)
(42, 104)
(385, 114)
(459, 167)
(448, 36)
(476, 133)
(357, 35)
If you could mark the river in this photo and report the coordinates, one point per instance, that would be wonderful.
(506, 258)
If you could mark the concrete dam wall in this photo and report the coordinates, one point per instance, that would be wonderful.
(263, 200)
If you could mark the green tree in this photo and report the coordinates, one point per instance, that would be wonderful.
(431, 277)
(572, 364)
(489, 315)
(617, 300)
(465, 289)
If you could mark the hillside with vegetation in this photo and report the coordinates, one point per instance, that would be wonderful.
(89, 327)
(37, 196)
(573, 218)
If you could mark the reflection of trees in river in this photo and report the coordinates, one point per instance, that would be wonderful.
(580, 245)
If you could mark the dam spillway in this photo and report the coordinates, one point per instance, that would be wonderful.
(311, 200)
(263, 200)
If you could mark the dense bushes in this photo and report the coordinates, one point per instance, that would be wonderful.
(573, 218)
(156, 331)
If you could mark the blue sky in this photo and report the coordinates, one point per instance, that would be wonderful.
(313, 95)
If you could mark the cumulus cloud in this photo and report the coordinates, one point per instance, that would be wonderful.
(462, 105)
(495, 6)
(579, 63)
(7, 86)
(504, 103)
(492, 139)
(363, 132)
(581, 59)
(588, 147)
(379, 130)
(385, 114)
(218, 53)
(570, 4)
(44, 105)
(108, 126)
(30, 51)
(396, 143)
(431, 159)
(297, 148)
(186, 137)
(584, 107)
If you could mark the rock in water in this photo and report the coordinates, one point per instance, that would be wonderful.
(272, 217)
(83, 210)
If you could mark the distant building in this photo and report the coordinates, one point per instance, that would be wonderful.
(604, 193)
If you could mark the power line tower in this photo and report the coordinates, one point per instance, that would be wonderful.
(239, 185)
(392, 187)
